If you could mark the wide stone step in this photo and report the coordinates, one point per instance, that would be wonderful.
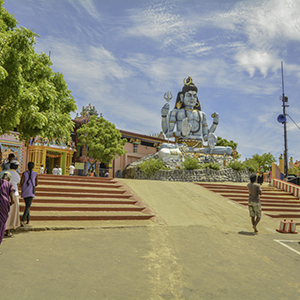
(283, 205)
(87, 216)
(66, 189)
(280, 208)
(275, 203)
(69, 200)
(81, 207)
(76, 178)
(83, 195)
(287, 216)
(78, 184)
(286, 196)
(238, 192)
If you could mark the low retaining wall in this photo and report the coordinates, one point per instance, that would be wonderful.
(287, 186)
(207, 175)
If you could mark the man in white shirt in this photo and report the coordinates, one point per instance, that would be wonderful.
(42, 169)
(55, 170)
(71, 169)
(59, 171)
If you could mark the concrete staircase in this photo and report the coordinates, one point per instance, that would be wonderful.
(275, 203)
(78, 198)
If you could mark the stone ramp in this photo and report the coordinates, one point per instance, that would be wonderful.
(275, 203)
(77, 198)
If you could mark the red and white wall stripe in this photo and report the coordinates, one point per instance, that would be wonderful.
(287, 186)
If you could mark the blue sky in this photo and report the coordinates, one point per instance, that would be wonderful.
(123, 55)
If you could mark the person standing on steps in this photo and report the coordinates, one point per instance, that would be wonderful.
(59, 170)
(55, 170)
(71, 169)
(254, 201)
(13, 220)
(260, 178)
(42, 169)
(7, 198)
(28, 183)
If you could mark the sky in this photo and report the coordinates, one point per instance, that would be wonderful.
(122, 56)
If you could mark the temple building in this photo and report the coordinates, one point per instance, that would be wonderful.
(58, 152)
(137, 146)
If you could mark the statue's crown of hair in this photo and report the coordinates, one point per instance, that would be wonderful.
(188, 81)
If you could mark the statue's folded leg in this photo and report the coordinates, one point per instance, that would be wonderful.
(217, 150)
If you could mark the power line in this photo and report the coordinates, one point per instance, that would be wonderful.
(293, 121)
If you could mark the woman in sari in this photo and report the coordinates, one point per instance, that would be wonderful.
(7, 198)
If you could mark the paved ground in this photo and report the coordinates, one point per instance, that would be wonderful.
(200, 247)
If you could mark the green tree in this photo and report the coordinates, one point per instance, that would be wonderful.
(33, 99)
(103, 140)
(265, 160)
(226, 143)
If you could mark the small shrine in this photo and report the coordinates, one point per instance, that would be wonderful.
(50, 153)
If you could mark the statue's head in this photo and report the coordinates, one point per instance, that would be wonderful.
(189, 91)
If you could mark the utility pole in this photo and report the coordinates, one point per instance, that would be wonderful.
(284, 105)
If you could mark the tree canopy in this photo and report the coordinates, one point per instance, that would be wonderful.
(226, 143)
(265, 160)
(103, 139)
(34, 100)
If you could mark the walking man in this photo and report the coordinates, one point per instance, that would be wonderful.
(254, 201)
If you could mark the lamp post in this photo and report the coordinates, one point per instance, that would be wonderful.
(284, 105)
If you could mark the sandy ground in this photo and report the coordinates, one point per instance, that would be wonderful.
(200, 247)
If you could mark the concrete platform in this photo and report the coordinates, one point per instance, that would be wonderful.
(201, 246)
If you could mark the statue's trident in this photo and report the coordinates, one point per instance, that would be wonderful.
(168, 96)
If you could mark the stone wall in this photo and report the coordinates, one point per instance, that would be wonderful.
(206, 175)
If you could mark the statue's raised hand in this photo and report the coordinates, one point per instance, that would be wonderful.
(215, 115)
(165, 109)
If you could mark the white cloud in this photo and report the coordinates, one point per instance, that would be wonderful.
(160, 24)
(87, 5)
(252, 60)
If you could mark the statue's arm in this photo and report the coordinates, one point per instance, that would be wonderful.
(204, 127)
(215, 123)
(168, 121)
(164, 117)
(172, 121)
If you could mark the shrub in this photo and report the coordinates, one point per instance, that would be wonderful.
(191, 163)
(149, 167)
(211, 165)
(237, 165)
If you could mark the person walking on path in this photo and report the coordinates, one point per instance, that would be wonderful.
(254, 201)
(29, 181)
(13, 220)
(7, 198)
